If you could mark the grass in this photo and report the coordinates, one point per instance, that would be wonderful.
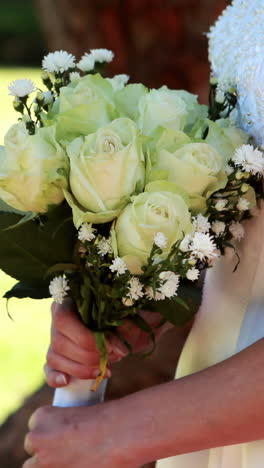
(23, 340)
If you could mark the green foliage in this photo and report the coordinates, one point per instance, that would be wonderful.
(29, 250)
(183, 308)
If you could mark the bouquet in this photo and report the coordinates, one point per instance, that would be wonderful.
(119, 196)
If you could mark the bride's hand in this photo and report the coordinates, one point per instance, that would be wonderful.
(73, 351)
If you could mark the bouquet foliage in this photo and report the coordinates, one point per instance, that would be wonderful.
(119, 195)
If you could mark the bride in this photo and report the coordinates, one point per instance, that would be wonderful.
(212, 415)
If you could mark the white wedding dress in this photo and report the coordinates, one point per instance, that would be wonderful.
(231, 317)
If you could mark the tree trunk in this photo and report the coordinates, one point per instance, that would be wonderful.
(130, 375)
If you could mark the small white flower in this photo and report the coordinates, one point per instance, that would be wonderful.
(58, 62)
(185, 243)
(218, 227)
(203, 246)
(221, 204)
(149, 293)
(102, 55)
(119, 266)
(48, 97)
(135, 288)
(119, 81)
(21, 88)
(86, 64)
(74, 76)
(243, 204)
(201, 223)
(104, 247)
(169, 288)
(237, 231)
(250, 159)
(160, 240)
(193, 274)
(169, 275)
(86, 233)
(58, 289)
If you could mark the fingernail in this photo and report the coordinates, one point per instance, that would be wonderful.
(61, 380)
(31, 422)
(28, 445)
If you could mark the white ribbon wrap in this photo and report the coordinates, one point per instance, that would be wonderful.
(79, 393)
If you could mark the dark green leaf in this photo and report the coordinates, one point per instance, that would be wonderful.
(176, 312)
(22, 290)
(27, 252)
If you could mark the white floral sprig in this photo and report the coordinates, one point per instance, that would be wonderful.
(86, 233)
(250, 159)
(102, 55)
(21, 88)
(58, 288)
(104, 247)
(160, 240)
(87, 63)
(118, 266)
(201, 223)
(135, 289)
(58, 62)
(203, 247)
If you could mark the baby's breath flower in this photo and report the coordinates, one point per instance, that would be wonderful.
(192, 274)
(135, 288)
(237, 231)
(218, 227)
(243, 204)
(86, 233)
(250, 159)
(104, 247)
(58, 289)
(169, 275)
(169, 288)
(221, 204)
(201, 223)
(118, 266)
(86, 64)
(102, 55)
(58, 62)
(203, 246)
(21, 88)
(74, 76)
(160, 240)
(150, 295)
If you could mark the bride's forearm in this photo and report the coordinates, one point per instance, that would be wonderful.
(222, 405)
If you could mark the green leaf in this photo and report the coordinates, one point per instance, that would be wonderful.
(27, 252)
(22, 290)
(175, 311)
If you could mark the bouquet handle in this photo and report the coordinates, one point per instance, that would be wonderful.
(79, 393)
